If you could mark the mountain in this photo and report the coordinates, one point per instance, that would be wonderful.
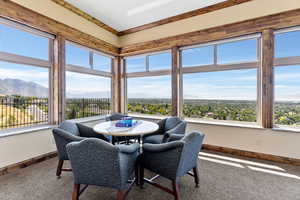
(23, 88)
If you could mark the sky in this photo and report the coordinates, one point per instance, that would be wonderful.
(229, 85)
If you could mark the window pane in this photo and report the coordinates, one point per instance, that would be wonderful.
(23, 43)
(149, 95)
(87, 95)
(287, 44)
(136, 64)
(235, 52)
(287, 96)
(77, 56)
(226, 95)
(198, 56)
(160, 61)
(23, 95)
(101, 63)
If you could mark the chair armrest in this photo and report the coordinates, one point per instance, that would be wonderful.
(66, 135)
(129, 149)
(88, 132)
(156, 148)
(175, 137)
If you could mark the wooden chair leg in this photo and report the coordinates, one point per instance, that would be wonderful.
(176, 190)
(120, 195)
(196, 176)
(76, 189)
(59, 167)
(141, 176)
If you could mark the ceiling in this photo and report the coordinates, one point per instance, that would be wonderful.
(125, 14)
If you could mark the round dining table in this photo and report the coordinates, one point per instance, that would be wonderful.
(140, 129)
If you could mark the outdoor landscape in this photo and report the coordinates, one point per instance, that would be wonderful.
(22, 106)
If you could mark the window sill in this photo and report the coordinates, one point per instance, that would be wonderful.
(155, 117)
(229, 123)
(18, 131)
(286, 129)
(88, 119)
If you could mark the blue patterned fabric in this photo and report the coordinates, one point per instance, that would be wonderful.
(96, 162)
(167, 127)
(69, 131)
(173, 159)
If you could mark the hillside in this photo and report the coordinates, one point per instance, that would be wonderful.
(23, 88)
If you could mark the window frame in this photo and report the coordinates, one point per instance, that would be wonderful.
(89, 71)
(283, 62)
(224, 67)
(146, 73)
(31, 61)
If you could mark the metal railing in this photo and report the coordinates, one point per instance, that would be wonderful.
(18, 111)
(86, 107)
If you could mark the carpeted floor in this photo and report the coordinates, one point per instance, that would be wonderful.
(222, 177)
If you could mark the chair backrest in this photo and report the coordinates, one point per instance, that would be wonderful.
(189, 156)
(70, 127)
(172, 122)
(95, 162)
(115, 116)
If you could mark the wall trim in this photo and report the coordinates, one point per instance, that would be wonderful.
(26, 163)
(257, 25)
(85, 15)
(193, 13)
(251, 154)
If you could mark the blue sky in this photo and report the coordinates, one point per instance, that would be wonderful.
(235, 84)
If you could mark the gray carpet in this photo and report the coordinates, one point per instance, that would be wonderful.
(222, 177)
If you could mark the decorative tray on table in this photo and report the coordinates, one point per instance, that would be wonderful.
(125, 124)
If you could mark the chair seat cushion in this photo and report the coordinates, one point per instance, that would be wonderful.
(154, 139)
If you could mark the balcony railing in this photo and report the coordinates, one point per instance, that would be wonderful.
(18, 111)
(86, 107)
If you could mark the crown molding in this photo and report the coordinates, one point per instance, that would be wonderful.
(84, 15)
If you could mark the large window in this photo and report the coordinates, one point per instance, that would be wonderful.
(24, 88)
(287, 80)
(88, 82)
(148, 93)
(226, 88)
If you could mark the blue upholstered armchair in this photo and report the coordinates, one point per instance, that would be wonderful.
(172, 160)
(69, 132)
(96, 162)
(167, 127)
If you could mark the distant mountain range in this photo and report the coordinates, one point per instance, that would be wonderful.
(27, 88)
(23, 88)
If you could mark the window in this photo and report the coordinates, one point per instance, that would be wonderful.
(198, 56)
(226, 92)
(88, 83)
(79, 56)
(24, 88)
(287, 80)
(152, 62)
(149, 95)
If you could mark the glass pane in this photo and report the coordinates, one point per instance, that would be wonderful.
(23, 95)
(136, 64)
(87, 95)
(227, 95)
(198, 56)
(235, 52)
(23, 43)
(160, 61)
(287, 96)
(77, 56)
(287, 44)
(149, 95)
(101, 63)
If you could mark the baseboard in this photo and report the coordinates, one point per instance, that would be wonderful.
(27, 163)
(250, 154)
